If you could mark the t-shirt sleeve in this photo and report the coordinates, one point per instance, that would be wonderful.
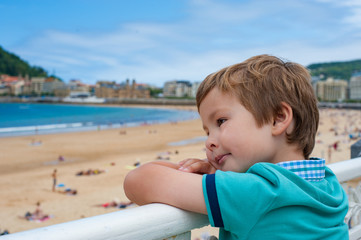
(211, 199)
(238, 200)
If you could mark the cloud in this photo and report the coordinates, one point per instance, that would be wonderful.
(352, 17)
(355, 18)
(212, 35)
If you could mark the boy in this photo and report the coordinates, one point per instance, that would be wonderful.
(258, 181)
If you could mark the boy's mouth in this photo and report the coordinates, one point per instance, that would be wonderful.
(221, 158)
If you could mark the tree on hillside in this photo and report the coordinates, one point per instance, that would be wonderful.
(336, 70)
(13, 65)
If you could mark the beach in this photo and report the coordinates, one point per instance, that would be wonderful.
(27, 164)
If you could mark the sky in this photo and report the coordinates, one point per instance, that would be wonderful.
(164, 40)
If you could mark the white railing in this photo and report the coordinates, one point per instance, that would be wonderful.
(347, 170)
(153, 221)
(156, 221)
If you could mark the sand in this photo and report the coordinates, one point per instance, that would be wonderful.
(26, 168)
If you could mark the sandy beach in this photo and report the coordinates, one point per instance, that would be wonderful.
(27, 163)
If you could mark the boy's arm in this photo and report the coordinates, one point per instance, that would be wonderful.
(162, 182)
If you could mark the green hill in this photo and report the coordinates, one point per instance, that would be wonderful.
(13, 65)
(336, 70)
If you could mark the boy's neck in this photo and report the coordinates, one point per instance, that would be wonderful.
(288, 153)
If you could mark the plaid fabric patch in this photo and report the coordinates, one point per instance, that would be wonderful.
(310, 170)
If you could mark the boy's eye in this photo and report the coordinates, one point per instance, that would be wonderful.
(220, 121)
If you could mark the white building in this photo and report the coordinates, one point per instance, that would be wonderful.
(332, 90)
(37, 84)
(195, 87)
(314, 81)
(177, 88)
(355, 86)
(77, 86)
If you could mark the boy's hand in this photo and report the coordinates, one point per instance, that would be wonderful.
(193, 165)
(162, 182)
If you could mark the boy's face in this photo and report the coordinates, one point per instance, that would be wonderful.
(235, 142)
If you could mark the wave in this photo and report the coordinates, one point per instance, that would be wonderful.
(43, 127)
(72, 127)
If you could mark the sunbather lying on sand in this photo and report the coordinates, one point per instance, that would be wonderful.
(116, 204)
(69, 191)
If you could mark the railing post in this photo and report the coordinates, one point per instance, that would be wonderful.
(356, 149)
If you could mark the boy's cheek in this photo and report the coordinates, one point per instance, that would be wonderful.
(210, 157)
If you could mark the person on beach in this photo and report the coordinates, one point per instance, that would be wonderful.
(61, 158)
(38, 211)
(37, 215)
(258, 180)
(54, 179)
(116, 203)
(5, 232)
(69, 191)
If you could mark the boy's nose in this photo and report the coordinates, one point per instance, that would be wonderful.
(211, 143)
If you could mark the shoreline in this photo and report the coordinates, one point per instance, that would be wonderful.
(109, 101)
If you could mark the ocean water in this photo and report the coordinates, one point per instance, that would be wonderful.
(18, 119)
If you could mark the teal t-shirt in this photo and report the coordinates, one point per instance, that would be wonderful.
(271, 202)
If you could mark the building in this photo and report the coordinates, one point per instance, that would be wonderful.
(27, 86)
(314, 81)
(332, 90)
(4, 90)
(37, 84)
(107, 89)
(11, 85)
(16, 88)
(51, 84)
(177, 88)
(355, 86)
(77, 86)
(18, 85)
(195, 87)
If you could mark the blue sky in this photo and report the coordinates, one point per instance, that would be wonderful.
(157, 41)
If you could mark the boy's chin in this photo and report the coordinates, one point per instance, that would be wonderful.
(226, 168)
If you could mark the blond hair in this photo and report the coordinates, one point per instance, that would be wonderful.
(261, 84)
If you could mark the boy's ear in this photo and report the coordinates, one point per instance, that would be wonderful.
(282, 121)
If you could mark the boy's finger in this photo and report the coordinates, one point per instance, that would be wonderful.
(184, 161)
(187, 162)
(190, 166)
(199, 167)
(191, 162)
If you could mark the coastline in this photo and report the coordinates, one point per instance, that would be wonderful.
(109, 101)
(26, 168)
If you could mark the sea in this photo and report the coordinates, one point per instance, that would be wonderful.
(21, 119)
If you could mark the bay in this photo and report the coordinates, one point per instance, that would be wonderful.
(18, 119)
